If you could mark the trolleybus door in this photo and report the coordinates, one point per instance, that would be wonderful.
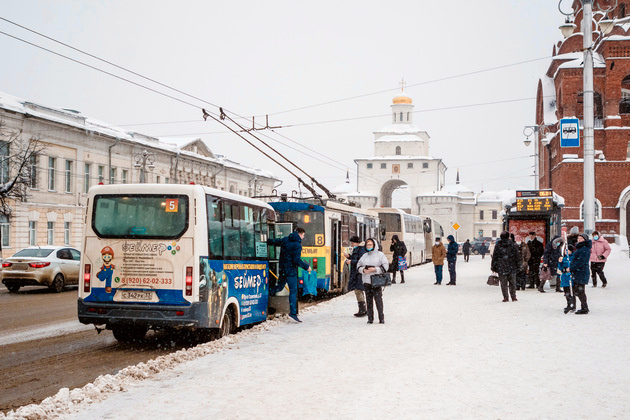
(280, 302)
(335, 251)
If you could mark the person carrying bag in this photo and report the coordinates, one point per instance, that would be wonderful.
(373, 267)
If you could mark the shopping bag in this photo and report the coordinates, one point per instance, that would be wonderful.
(493, 280)
(402, 263)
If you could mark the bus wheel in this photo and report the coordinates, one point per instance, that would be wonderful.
(227, 327)
(129, 333)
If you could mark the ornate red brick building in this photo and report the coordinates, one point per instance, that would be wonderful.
(560, 96)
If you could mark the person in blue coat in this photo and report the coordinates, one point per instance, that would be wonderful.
(451, 259)
(355, 281)
(580, 270)
(564, 268)
(290, 260)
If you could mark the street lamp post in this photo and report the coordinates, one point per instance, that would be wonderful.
(589, 138)
(143, 161)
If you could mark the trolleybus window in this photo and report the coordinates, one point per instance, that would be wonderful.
(140, 216)
(311, 221)
(231, 230)
(391, 221)
(215, 238)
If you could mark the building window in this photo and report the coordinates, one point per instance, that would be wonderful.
(401, 116)
(32, 233)
(5, 231)
(4, 166)
(86, 178)
(101, 170)
(394, 115)
(51, 173)
(408, 114)
(410, 165)
(50, 233)
(33, 172)
(112, 175)
(494, 233)
(624, 103)
(598, 210)
(494, 215)
(124, 176)
(398, 150)
(369, 165)
(68, 174)
(622, 11)
(425, 165)
(166, 180)
(157, 179)
(628, 151)
(383, 165)
(598, 110)
(480, 214)
(66, 233)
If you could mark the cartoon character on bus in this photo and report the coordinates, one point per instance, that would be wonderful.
(107, 270)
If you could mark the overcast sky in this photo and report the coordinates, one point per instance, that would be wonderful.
(270, 57)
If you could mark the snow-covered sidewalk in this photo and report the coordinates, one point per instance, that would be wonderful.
(444, 352)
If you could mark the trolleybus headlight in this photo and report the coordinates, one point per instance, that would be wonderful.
(86, 278)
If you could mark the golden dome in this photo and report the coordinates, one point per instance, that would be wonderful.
(402, 99)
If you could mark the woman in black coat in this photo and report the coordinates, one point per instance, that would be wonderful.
(580, 270)
(551, 257)
(399, 249)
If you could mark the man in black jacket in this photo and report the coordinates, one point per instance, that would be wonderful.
(355, 282)
(536, 249)
(505, 262)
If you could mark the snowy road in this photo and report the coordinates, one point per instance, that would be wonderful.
(444, 352)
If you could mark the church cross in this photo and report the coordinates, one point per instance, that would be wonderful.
(402, 84)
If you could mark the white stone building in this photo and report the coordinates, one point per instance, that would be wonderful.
(81, 152)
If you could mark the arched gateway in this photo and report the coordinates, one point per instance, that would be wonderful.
(401, 157)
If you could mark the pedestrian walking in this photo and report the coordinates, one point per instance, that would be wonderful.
(438, 253)
(580, 270)
(355, 282)
(564, 267)
(536, 249)
(289, 261)
(466, 250)
(451, 258)
(398, 249)
(483, 249)
(523, 267)
(551, 257)
(372, 262)
(599, 255)
(505, 262)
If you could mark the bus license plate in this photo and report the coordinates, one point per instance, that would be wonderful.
(135, 295)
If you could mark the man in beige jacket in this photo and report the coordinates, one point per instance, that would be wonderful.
(438, 255)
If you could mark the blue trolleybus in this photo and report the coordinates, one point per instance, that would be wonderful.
(329, 225)
(173, 256)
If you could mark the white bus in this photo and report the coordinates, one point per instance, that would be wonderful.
(409, 228)
(173, 256)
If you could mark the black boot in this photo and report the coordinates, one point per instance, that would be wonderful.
(569, 304)
(362, 311)
(402, 277)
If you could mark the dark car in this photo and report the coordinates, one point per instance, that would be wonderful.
(476, 245)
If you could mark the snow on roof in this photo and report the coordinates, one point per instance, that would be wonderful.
(398, 157)
(598, 62)
(76, 119)
(345, 188)
(456, 189)
(549, 100)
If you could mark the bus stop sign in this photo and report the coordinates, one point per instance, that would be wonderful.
(569, 132)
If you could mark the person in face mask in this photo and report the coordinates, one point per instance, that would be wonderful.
(551, 257)
(438, 255)
(373, 262)
(356, 282)
(599, 253)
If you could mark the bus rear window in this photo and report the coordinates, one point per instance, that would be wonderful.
(140, 216)
(390, 221)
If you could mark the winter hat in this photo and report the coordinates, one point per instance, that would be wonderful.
(505, 235)
(355, 239)
(584, 236)
(571, 248)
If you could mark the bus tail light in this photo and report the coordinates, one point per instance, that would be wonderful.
(86, 278)
(315, 264)
(189, 271)
(301, 281)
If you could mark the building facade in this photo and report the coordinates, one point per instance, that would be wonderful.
(560, 95)
(80, 152)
